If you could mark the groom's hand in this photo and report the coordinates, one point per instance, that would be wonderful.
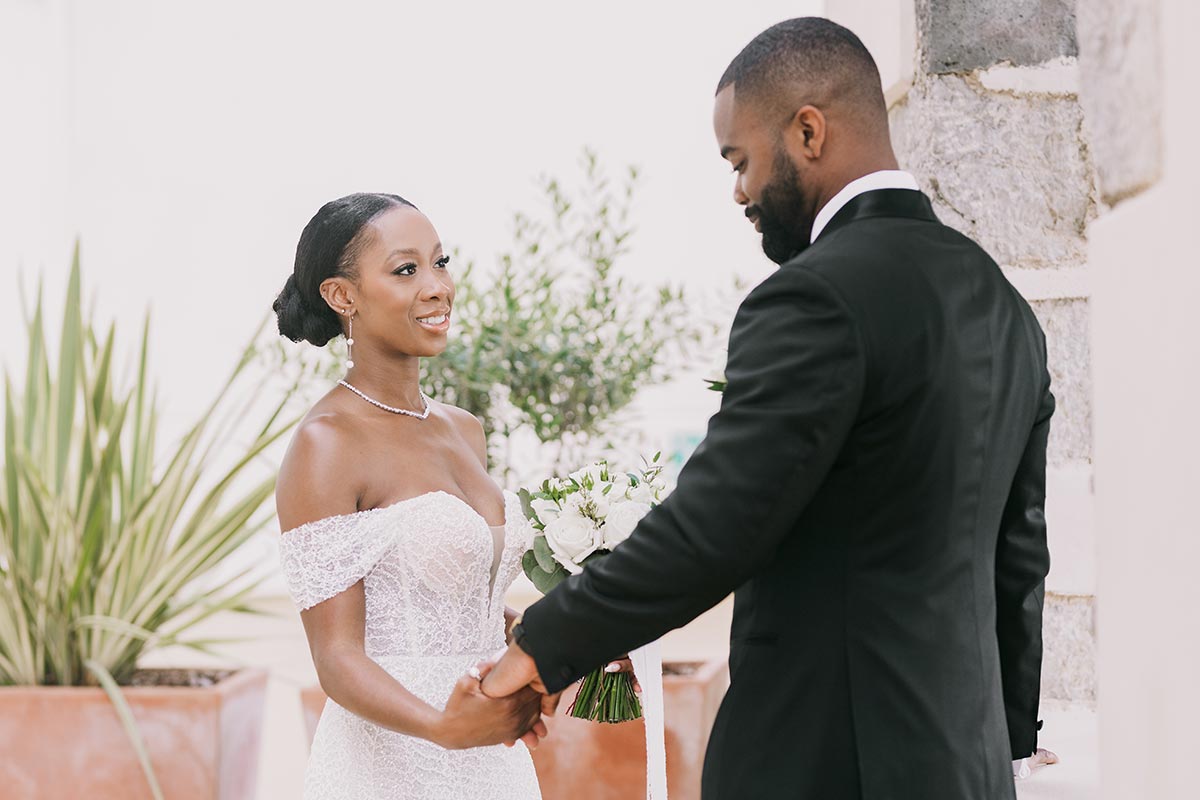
(514, 671)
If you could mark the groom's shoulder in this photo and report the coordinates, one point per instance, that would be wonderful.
(883, 260)
(793, 278)
(867, 246)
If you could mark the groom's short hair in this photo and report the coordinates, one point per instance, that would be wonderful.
(807, 61)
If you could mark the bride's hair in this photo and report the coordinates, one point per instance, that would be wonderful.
(328, 247)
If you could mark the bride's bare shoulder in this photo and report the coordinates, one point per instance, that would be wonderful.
(317, 478)
(469, 427)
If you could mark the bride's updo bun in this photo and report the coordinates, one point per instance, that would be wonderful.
(328, 248)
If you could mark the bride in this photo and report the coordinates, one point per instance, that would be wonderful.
(398, 547)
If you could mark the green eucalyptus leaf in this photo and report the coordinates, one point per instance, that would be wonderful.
(544, 555)
(527, 504)
(544, 581)
(529, 564)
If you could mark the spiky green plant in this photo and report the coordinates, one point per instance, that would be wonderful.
(104, 549)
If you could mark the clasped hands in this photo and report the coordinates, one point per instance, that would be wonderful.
(502, 702)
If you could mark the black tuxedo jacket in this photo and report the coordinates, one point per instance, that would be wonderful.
(873, 489)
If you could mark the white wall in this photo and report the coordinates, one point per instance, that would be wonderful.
(35, 118)
(188, 144)
(1147, 382)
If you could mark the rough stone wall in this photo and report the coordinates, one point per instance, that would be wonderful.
(993, 128)
(1121, 89)
(961, 35)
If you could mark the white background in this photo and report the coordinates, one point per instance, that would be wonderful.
(188, 144)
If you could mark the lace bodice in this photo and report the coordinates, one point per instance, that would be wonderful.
(433, 611)
(426, 565)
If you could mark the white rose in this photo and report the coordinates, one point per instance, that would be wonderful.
(621, 521)
(603, 503)
(574, 502)
(589, 476)
(643, 493)
(547, 510)
(572, 538)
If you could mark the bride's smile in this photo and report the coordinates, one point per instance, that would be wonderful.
(437, 322)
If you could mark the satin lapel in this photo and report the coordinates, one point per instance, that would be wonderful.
(882, 203)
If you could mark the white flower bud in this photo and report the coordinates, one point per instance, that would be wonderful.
(621, 521)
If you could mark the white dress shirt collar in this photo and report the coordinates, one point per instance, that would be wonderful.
(883, 179)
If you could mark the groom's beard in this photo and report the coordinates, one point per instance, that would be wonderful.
(785, 228)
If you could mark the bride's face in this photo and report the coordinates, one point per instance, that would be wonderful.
(404, 293)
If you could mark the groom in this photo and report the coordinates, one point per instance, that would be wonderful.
(872, 487)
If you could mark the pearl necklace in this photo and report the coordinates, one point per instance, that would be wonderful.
(375, 402)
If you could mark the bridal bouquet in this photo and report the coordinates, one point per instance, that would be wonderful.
(579, 519)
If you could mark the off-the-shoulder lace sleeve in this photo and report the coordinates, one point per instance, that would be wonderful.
(323, 558)
(518, 524)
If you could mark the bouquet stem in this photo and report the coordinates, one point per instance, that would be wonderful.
(606, 697)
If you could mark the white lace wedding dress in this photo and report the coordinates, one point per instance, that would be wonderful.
(433, 611)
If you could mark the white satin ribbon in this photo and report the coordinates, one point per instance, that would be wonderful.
(647, 666)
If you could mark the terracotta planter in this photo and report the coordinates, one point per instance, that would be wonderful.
(589, 761)
(67, 742)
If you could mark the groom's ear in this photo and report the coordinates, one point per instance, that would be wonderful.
(805, 133)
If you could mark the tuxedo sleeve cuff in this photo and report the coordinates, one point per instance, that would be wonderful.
(555, 673)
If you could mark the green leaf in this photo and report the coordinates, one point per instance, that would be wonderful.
(103, 551)
(527, 504)
(529, 564)
(68, 372)
(545, 581)
(127, 722)
(544, 555)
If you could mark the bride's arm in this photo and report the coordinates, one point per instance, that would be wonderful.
(318, 479)
(335, 630)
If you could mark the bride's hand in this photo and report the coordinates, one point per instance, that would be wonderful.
(623, 664)
(472, 719)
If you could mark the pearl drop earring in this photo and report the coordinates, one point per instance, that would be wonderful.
(350, 341)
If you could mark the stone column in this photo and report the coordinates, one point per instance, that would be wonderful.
(986, 113)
